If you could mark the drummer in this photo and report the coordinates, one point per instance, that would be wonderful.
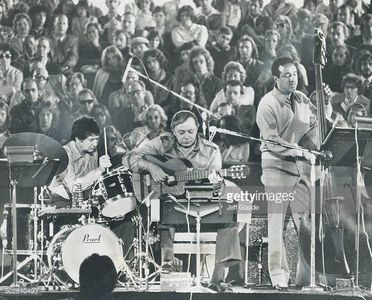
(84, 166)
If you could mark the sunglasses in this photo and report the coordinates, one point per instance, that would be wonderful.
(5, 55)
(41, 77)
(86, 101)
(281, 25)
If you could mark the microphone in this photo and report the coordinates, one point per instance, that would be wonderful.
(125, 75)
(220, 130)
(365, 120)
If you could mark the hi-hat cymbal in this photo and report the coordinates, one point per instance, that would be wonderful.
(46, 146)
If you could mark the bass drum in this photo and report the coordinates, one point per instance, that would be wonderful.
(73, 244)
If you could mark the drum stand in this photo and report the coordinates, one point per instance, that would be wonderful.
(34, 257)
(142, 259)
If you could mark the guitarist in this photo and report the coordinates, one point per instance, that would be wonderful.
(185, 143)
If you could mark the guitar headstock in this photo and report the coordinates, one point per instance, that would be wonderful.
(320, 53)
(238, 171)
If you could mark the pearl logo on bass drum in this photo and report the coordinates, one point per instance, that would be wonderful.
(91, 240)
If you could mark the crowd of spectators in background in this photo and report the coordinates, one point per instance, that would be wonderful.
(60, 60)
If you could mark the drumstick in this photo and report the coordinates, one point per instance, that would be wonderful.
(105, 142)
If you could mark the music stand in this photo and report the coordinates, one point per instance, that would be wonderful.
(34, 159)
(343, 145)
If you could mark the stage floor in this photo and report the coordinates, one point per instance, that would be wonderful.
(190, 293)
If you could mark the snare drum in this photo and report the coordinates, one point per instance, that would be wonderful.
(73, 244)
(116, 190)
(25, 226)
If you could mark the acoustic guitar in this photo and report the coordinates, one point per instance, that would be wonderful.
(181, 171)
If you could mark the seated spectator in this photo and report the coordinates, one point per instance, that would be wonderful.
(97, 278)
(158, 15)
(225, 109)
(87, 100)
(120, 99)
(205, 10)
(80, 21)
(248, 57)
(155, 122)
(21, 28)
(90, 53)
(144, 14)
(31, 100)
(201, 66)
(45, 120)
(234, 71)
(338, 34)
(156, 41)
(5, 33)
(50, 88)
(271, 45)
(321, 21)
(234, 150)
(283, 25)
(108, 77)
(156, 64)
(276, 8)
(44, 55)
(4, 112)
(352, 86)
(344, 14)
(94, 11)
(29, 53)
(39, 15)
(245, 112)
(102, 115)
(139, 46)
(108, 30)
(134, 115)
(10, 77)
(337, 68)
(364, 68)
(181, 59)
(129, 24)
(232, 10)
(252, 15)
(221, 50)
(188, 91)
(113, 11)
(120, 41)
(65, 47)
(188, 31)
(303, 24)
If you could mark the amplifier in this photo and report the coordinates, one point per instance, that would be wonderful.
(220, 215)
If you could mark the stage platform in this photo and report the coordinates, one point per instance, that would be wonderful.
(239, 293)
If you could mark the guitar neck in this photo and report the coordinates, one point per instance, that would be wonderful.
(195, 175)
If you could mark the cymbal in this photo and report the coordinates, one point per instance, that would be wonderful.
(46, 146)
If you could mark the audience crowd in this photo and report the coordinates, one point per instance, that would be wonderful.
(60, 60)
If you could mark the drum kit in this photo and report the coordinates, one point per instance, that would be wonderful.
(52, 242)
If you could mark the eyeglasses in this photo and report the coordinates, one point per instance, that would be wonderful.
(137, 92)
(5, 55)
(40, 77)
(153, 117)
(281, 25)
(90, 101)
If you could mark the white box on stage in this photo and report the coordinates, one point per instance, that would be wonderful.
(175, 281)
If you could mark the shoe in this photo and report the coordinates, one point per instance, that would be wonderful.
(215, 287)
(221, 287)
(225, 287)
(281, 288)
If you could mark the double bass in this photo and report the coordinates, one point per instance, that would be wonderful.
(336, 203)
